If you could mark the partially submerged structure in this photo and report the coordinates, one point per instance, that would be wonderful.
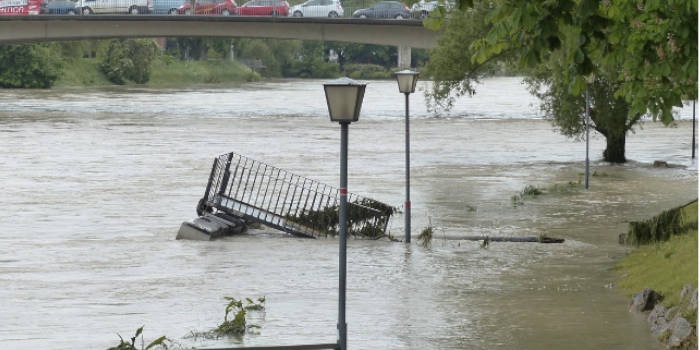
(243, 191)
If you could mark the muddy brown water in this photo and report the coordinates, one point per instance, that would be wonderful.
(97, 181)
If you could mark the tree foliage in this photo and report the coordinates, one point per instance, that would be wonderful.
(129, 60)
(622, 52)
(28, 66)
(653, 43)
(454, 74)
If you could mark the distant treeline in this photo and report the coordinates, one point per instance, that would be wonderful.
(190, 60)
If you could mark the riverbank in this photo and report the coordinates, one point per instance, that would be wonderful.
(165, 72)
(665, 271)
(169, 72)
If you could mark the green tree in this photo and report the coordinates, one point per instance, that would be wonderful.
(28, 66)
(570, 46)
(453, 73)
(129, 60)
(653, 42)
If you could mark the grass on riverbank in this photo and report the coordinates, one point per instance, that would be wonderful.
(664, 266)
(165, 72)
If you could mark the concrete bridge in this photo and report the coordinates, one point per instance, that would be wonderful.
(405, 34)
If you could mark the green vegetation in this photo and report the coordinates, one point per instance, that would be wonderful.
(30, 66)
(367, 218)
(665, 265)
(159, 343)
(169, 72)
(129, 61)
(660, 228)
(182, 61)
(426, 237)
(238, 324)
(528, 192)
(235, 319)
(633, 59)
(531, 191)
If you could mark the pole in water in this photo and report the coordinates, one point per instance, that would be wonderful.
(693, 145)
(587, 136)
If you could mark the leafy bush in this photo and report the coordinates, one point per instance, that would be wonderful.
(129, 60)
(28, 66)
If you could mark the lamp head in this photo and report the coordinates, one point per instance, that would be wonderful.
(344, 98)
(407, 80)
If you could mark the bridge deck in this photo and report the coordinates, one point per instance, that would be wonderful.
(408, 33)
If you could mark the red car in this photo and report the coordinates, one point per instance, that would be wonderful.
(264, 8)
(209, 7)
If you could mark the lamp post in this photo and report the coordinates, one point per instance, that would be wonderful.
(693, 145)
(407, 80)
(344, 98)
(588, 121)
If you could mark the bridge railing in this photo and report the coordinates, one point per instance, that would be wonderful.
(258, 192)
(412, 9)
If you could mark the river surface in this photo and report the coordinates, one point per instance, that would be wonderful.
(96, 182)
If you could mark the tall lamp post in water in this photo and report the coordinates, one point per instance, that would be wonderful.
(344, 98)
(407, 80)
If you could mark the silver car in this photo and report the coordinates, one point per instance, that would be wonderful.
(133, 7)
(318, 8)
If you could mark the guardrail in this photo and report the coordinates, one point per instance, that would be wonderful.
(370, 9)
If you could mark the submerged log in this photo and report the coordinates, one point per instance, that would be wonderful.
(535, 239)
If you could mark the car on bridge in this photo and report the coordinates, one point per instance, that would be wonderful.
(318, 8)
(384, 9)
(423, 8)
(133, 7)
(60, 7)
(161, 7)
(264, 8)
(209, 7)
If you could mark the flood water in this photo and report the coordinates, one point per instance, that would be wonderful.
(96, 182)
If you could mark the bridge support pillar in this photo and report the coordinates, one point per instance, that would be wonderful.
(404, 57)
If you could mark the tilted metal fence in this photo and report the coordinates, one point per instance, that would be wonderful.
(261, 193)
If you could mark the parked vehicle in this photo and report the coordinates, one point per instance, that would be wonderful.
(384, 9)
(318, 8)
(170, 7)
(19, 7)
(209, 7)
(264, 8)
(133, 7)
(60, 7)
(423, 8)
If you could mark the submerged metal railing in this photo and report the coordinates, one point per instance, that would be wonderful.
(261, 193)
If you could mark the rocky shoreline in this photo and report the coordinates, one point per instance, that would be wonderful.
(675, 327)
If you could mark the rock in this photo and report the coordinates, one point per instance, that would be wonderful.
(694, 300)
(660, 164)
(687, 289)
(657, 320)
(681, 331)
(644, 300)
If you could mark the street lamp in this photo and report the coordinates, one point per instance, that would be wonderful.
(407, 80)
(344, 98)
